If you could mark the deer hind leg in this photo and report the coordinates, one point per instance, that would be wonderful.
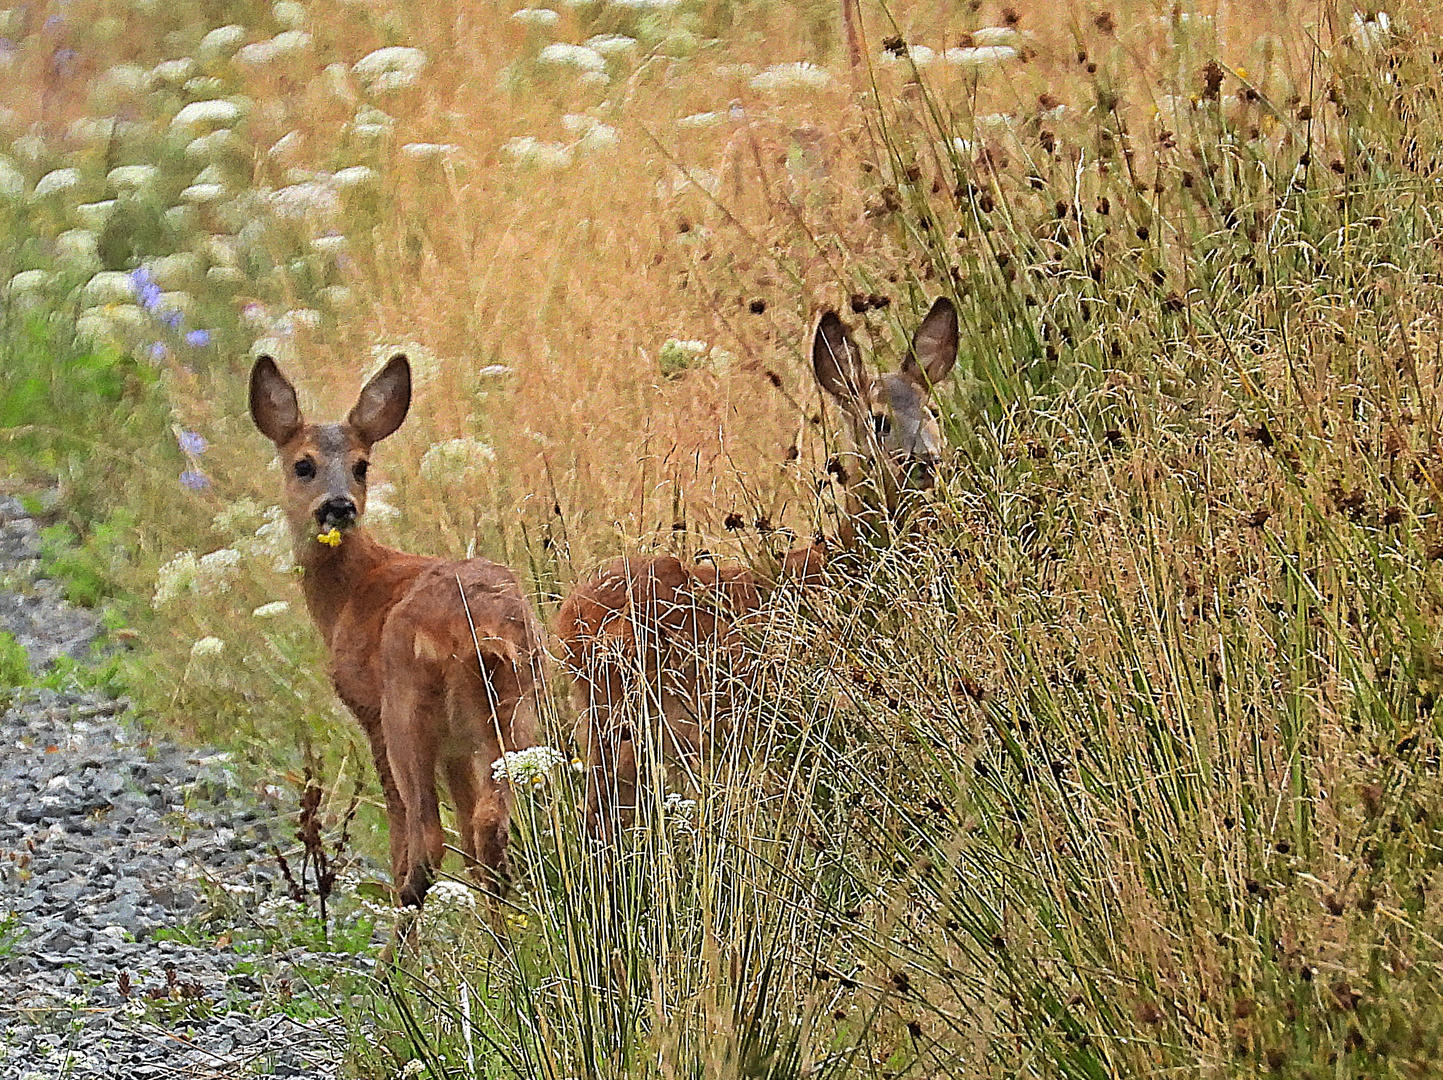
(461, 779)
(410, 718)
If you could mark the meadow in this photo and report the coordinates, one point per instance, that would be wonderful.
(1122, 760)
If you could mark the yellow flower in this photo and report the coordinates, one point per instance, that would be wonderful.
(330, 539)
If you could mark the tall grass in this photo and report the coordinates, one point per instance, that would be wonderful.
(1124, 760)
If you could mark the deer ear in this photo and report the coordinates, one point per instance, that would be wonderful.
(934, 346)
(837, 363)
(273, 402)
(384, 401)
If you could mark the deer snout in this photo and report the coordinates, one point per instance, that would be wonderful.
(922, 471)
(337, 512)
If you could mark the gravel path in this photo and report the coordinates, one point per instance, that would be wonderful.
(111, 844)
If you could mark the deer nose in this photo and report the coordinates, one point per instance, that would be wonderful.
(923, 471)
(337, 512)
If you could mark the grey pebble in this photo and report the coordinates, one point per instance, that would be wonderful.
(91, 863)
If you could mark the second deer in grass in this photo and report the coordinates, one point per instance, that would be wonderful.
(641, 640)
(439, 660)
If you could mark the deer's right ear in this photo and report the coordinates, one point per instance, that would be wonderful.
(837, 363)
(274, 407)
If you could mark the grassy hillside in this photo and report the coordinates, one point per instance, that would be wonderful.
(1124, 761)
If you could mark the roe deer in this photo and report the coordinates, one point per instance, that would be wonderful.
(638, 640)
(439, 660)
(895, 441)
(638, 637)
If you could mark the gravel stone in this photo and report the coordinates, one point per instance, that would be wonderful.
(113, 839)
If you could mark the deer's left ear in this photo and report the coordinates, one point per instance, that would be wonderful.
(383, 402)
(934, 346)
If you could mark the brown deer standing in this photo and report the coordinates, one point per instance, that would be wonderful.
(641, 639)
(439, 660)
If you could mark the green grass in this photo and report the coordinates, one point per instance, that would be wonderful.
(1125, 761)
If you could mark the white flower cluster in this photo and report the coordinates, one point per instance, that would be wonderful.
(447, 895)
(536, 17)
(980, 56)
(527, 766)
(204, 576)
(273, 610)
(394, 67)
(272, 541)
(801, 75)
(457, 460)
(675, 805)
(529, 150)
(207, 647)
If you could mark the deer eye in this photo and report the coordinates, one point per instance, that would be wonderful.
(305, 469)
(359, 471)
(881, 423)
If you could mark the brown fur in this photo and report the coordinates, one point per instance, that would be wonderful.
(656, 626)
(640, 639)
(439, 660)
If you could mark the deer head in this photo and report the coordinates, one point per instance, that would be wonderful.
(325, 465)
(896, 443)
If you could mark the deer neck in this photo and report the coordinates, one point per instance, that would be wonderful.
(331, 575)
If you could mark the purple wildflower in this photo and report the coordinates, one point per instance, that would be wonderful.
(192, 442)
(194, 480)
(158, 351)
(198, 338)
(172, 318)
(147, 291)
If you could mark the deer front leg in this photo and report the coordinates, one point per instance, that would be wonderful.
(395, 808)
(412, 746)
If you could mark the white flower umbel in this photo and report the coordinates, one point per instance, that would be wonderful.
(528, 150)
(354, 176)
(12, 180)
(200, 116)
(94, 215)
(429, 151)
(56, 182)
(801, 75)
(216, 572)
(131, 177)
(527, 768)
(220, 43)
(614, 46)
(206, 647)
(980, 56)
(79, 250)
(457, 460)
(994, 35)
(29, 281)
(108, 287)
(536, 18)
(581, 57)
(273, 610)
(920, 55)
(446, 895)
(394, 67)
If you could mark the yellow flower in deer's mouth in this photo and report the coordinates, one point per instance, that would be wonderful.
(330, 539)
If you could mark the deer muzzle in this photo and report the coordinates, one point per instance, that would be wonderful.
(337, 512)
